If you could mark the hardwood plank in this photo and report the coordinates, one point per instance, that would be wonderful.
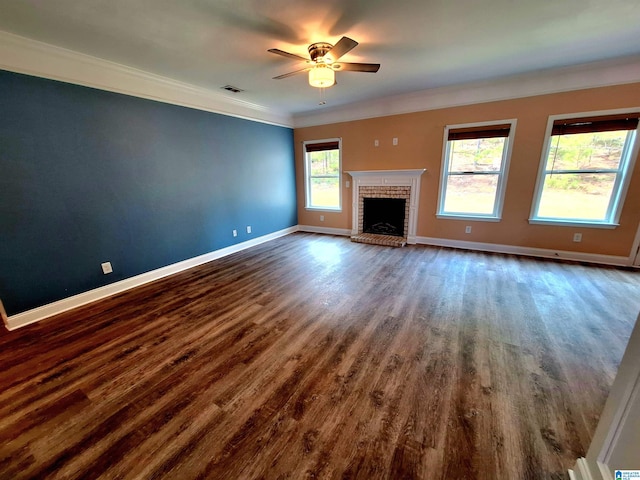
(314, 357)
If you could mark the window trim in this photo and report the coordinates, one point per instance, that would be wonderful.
(503, 173)
(628, 160)
(307, 190)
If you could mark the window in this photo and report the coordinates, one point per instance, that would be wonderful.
(474, 169)
(584, 169)
(322, 174)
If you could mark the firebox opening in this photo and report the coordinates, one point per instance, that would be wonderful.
(384, 216)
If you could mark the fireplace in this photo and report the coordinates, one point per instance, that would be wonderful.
(383, 216)
(395, 188)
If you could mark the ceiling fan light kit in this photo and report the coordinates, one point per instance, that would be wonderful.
(322, 76)
(323, 62)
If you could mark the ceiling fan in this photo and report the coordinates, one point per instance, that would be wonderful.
(324, 62)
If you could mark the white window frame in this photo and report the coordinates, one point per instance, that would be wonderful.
(503, 173)
(627, 162)
(307, 170)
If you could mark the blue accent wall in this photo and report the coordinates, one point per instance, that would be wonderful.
(88, 176)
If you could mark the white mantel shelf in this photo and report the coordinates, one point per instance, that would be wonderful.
(385, 173)
(409, 178)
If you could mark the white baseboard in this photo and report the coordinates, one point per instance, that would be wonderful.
(19, 320)
(494, 247)
(328, 230)
(528, 251)
(35, 315)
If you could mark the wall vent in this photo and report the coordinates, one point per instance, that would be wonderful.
(231, 88)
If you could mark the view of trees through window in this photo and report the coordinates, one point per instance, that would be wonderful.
(473, 174)
(580, 175)
(324, 178)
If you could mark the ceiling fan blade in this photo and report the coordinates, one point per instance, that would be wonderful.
(346, 15)
(290, 74)
(344, 45)
(356, 67)
(277, 51)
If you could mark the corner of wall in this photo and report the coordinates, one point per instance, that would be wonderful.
(3, 314)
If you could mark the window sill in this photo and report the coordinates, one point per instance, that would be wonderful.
(324, 209)
(573, 223)
(474, 218)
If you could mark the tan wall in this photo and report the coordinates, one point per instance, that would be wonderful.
(420, 146)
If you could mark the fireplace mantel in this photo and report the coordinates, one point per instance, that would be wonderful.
(386, 173)
(387, 178)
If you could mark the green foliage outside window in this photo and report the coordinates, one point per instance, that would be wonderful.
(474, 170)
(580, 174)
(324, 179)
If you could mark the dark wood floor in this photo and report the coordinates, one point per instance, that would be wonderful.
(314, 357)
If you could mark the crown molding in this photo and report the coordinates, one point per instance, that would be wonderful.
(592, 75)
(23, 55)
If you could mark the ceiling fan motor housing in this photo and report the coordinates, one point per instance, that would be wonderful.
(317, 51)
(325, 62)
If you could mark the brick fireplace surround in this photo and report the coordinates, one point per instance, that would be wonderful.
(386, 184)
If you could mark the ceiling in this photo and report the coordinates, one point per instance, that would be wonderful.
(421, 44)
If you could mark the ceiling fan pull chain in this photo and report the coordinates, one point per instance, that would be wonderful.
(322, 101)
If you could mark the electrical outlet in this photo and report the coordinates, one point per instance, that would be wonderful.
(467, 229)
(577, 237)
(322, 218)
(248, 228)
(376, 143)
(106, 267)
(235, 232)
(347, 184)
(395, 141)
